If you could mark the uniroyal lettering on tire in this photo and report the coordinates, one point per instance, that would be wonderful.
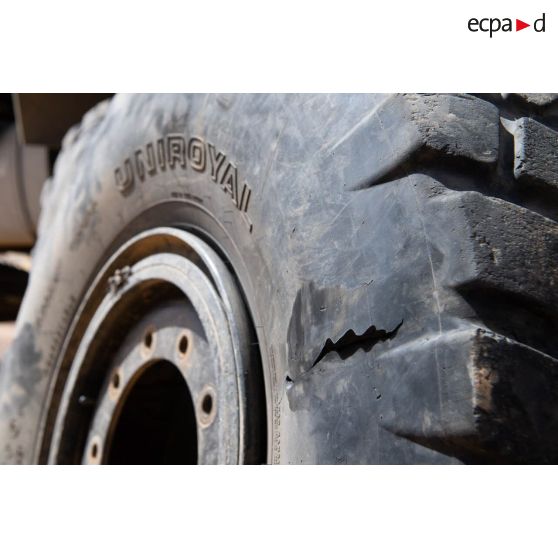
(175, 151)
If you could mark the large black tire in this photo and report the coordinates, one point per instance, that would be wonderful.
(397, 255)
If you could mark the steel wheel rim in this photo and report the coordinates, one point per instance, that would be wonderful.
(165, 262)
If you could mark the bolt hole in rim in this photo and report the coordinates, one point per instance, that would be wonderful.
(148, 340)
(183, 344)
(184, 281)
(94, 451)
(116, 380)
(207, 404)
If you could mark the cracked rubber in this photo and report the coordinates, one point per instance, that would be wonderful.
(397, 254)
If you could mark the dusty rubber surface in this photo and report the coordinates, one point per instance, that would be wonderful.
(396, 254)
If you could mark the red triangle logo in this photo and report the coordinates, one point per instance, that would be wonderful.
(519, 25)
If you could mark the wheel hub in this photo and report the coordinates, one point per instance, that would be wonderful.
(164, 367)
